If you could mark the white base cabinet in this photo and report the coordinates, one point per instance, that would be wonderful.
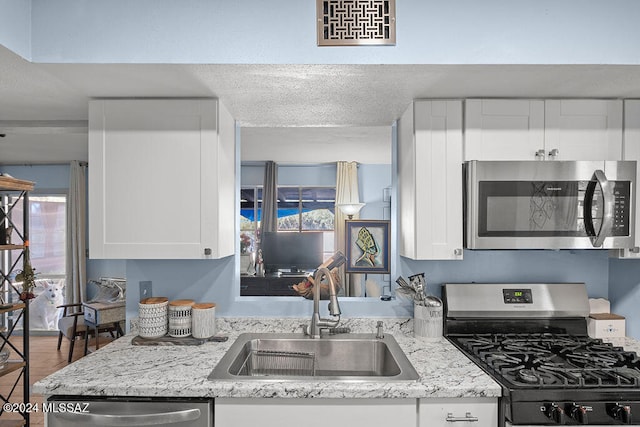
(161, 179)
(281, 412)
(430, 180)
(451, 412)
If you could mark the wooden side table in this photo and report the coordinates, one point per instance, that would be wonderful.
(98, 315)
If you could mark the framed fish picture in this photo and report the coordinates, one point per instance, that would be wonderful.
(367, 246)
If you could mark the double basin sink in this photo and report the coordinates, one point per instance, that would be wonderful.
(296, 357)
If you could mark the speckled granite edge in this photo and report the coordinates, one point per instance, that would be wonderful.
(226, 325)
(121, 369)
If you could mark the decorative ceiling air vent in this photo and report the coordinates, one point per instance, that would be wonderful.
(356, 22)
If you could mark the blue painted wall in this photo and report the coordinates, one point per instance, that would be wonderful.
(283, 32)
(15, 26)
(216, 280)
(251, 31)
(624, 292)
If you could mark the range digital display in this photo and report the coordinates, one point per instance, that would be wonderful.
(517, 296)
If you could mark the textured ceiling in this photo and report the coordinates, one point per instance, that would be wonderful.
(276, 96)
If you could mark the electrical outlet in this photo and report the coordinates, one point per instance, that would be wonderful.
(145, 289)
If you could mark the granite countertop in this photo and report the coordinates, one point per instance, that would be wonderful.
(121, 369)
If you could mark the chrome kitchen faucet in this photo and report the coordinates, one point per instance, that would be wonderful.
(317, 323)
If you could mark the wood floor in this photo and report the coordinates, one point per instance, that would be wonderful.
(44, 359)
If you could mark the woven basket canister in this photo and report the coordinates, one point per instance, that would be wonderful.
(180, 318)
(203, 320)
(152, 317)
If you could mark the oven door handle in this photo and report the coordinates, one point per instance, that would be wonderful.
(608, 209)
(467, 417)
(151, 419)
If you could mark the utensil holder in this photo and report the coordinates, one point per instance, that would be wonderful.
(427, 322)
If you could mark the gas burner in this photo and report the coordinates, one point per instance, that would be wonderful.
(528, 376)
(552, 360)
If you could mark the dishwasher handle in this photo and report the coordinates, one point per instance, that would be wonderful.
(152, 419)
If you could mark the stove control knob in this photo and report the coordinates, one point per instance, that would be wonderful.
(620, 412)
(579, 413)
(555, 412)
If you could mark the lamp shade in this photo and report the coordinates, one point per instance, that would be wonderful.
(350, 208)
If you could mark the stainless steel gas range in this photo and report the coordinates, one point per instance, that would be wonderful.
(532, 339)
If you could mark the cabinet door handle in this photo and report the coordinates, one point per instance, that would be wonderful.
(554, 153)
(467, 417)
(540, 154)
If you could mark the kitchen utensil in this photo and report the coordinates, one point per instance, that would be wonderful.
(4, 356)
(418, 284)
(431, 301)
(403, 283)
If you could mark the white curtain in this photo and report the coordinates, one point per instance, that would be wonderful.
(76, 233)
(346, 192)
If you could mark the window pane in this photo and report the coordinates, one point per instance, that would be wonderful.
(318, 219)
(289, 222)
(288, 208)
(318, 206)
(47, 233)
(247, 209)
(249, 217)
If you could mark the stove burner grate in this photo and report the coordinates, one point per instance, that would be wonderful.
(554, 360)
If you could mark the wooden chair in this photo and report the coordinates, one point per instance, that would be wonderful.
(71, 325)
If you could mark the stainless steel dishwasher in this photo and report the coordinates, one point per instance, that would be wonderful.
(72, 411)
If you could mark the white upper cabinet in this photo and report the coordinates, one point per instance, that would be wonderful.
(161, 179)
(584, 129)
(430, 180)
(503, 129)
(631, 151)
(515, 129)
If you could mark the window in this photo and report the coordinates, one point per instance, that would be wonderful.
(47, 233)
(47, 249)
(299, 209)
(306, 208)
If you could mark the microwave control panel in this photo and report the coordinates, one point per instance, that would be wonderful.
(621, 213)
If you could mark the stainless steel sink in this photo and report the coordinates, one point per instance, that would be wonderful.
(345, 357)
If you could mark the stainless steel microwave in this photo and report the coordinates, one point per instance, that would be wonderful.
(549, 204)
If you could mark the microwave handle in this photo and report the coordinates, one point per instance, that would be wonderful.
(609, 204)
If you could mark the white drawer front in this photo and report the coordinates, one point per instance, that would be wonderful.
(458, 412)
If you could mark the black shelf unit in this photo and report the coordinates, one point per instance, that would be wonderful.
(13, 254)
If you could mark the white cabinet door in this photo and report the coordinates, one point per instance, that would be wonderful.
(161, 179)
(503, 129)
(441, 412)
(430, 180)
(232, 412)
(521, 129)
(631, 151)
(584, 129)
